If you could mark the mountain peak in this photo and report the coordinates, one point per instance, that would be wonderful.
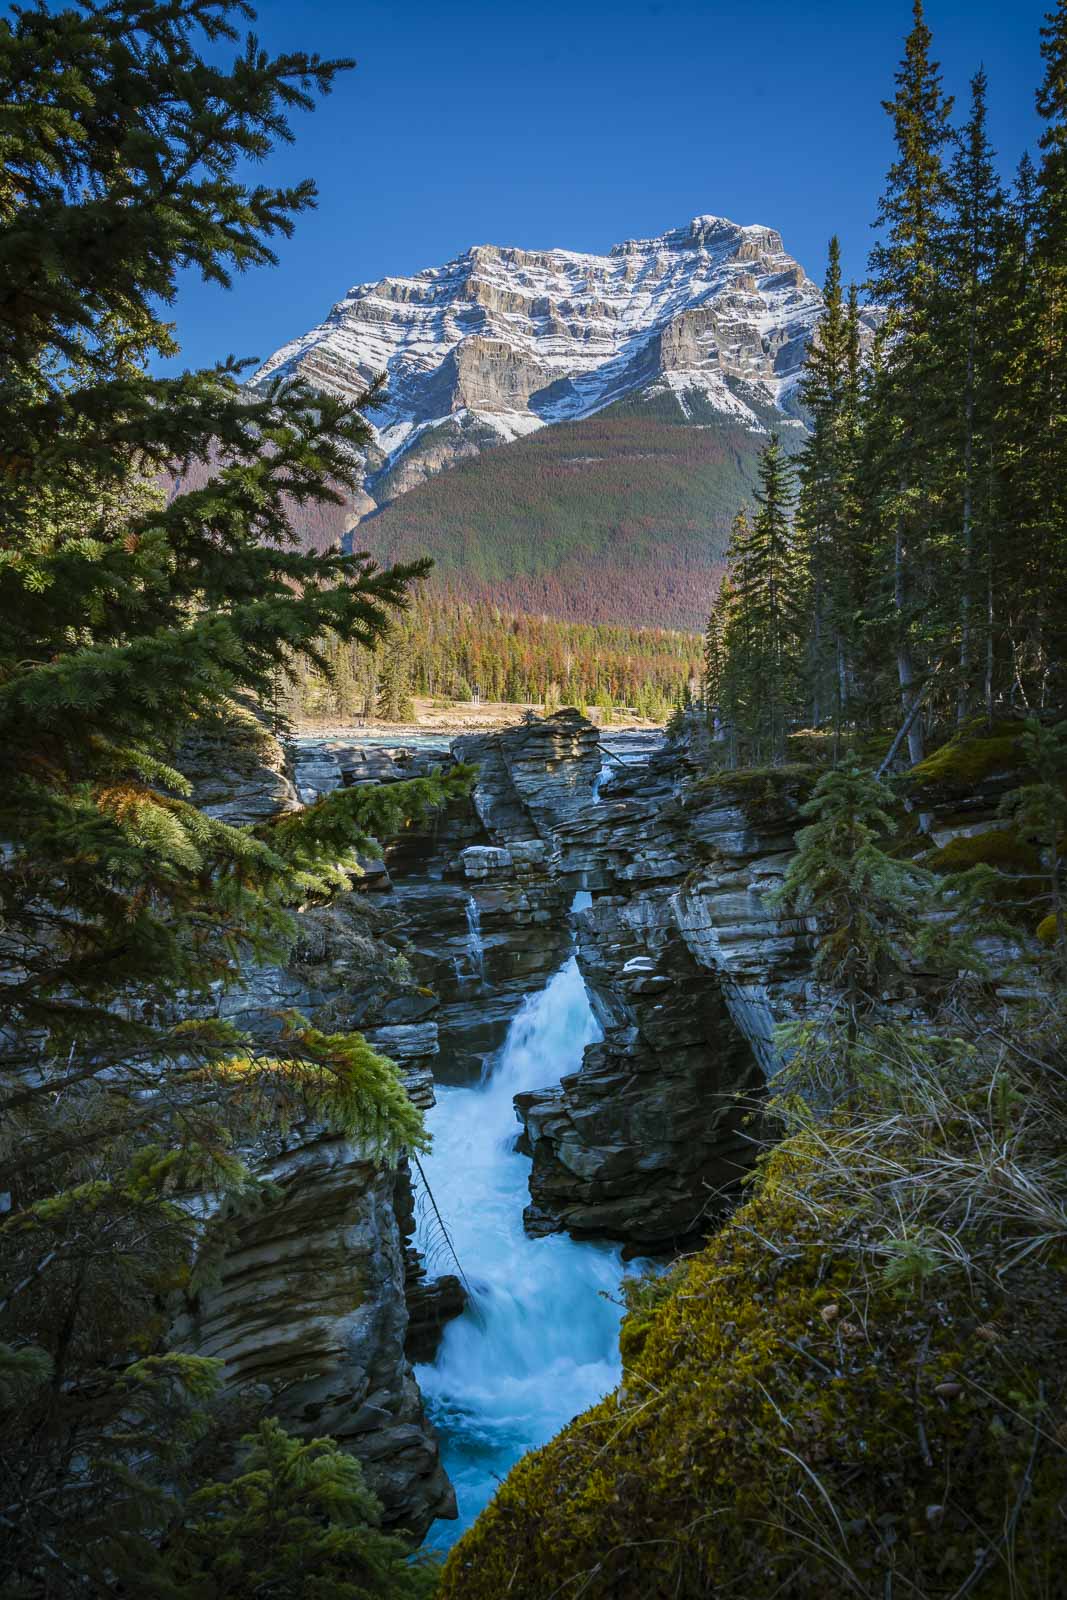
(503, 340)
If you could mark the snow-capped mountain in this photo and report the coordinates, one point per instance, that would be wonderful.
(501, 342)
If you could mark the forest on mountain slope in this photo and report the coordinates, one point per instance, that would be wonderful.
(621, 518)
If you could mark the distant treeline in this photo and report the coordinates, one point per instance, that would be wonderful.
(447, 648)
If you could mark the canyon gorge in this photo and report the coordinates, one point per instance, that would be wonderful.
(579, 970)
(582, 1003)
(579, 974)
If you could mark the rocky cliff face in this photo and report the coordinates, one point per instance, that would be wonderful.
(318, 1301)
(308, 1314)
(500, 342)
(647, 1139)
(741, 832)
(306, 1299)
(690, 968)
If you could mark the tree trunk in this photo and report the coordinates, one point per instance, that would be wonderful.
(842, 694)
(816, 654)
(989, 651)
(963, 704)
(905, 669)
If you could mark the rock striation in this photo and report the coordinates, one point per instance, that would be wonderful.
(688, 965)
(691, 967)
(648, 1139)
(304, 1295)
(306, 1309)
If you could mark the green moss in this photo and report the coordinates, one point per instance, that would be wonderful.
(1015, 879)
(871, 749)
(783, 1426)
(811, 746)
(996, 847)
(970, 757)
(764, 794)
(644, 1297)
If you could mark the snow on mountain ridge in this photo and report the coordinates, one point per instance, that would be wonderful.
(503, 340)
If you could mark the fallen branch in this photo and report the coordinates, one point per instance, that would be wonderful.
(908, 720)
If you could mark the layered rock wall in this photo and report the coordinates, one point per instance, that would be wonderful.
(303, 1295)
(306, 1309)
(688, 967)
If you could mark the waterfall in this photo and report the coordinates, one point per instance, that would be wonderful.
(540, 1344)
(475, 943)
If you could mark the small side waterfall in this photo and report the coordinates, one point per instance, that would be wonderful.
(475, 943)
(540, 1344)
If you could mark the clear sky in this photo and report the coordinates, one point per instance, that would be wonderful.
(581, 122)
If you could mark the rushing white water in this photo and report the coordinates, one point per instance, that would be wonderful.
(475, 943)
(539, 1343)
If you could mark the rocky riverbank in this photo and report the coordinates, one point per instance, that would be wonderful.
(319, 1301)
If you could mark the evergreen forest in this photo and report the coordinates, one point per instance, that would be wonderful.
(912, 568)
(456, 650)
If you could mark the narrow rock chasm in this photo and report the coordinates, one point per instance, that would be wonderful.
(545, 964)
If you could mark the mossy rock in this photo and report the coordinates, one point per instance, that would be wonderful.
(811, 747)
(1016, 866)
(764, 794)
(791, 1426)
(995, 847)
(973, 756)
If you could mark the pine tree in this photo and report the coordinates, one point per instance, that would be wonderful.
(826, 513)
(715, 656)
(756, 627)
(1050, 357)
(394, 680)
(740, 679)
(775, 604)
(1013, 577)
(865, 905)
(970, 246)
(128, 626)
(296, 1520)
(904, 274)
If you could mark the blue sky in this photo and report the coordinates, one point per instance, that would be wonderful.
(585, 123)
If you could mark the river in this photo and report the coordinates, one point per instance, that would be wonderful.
(538, 1343)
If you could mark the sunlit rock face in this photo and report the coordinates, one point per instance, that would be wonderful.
(501, 342)
(647, 1142)
(647, 1139)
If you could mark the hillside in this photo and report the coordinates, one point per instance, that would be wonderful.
(621, 517)
(447, 646)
